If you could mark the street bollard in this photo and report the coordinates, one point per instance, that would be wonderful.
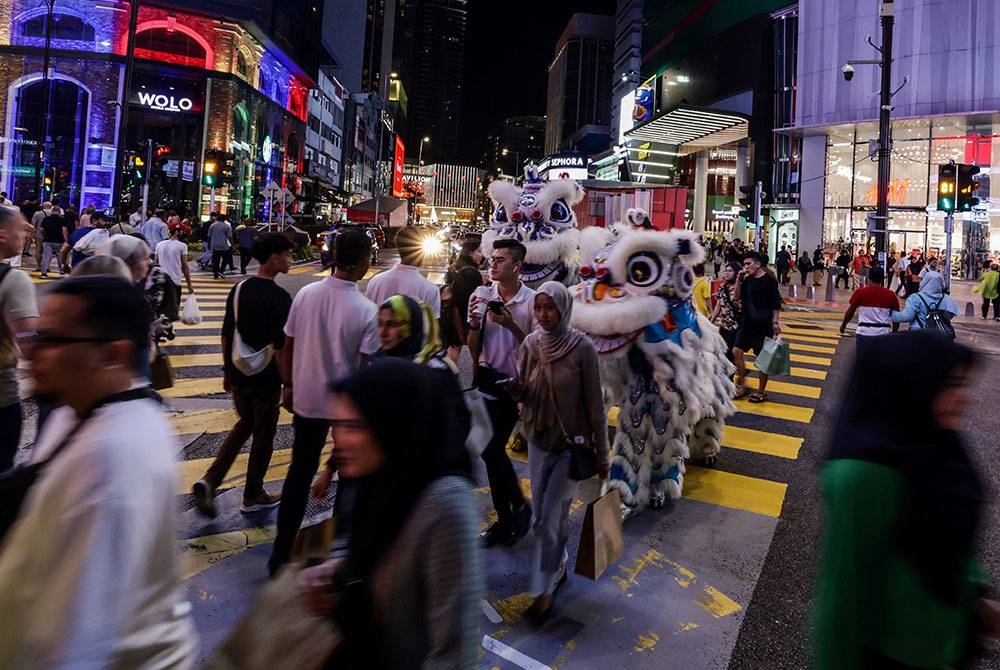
(831, 291)
(811, 292)
(793, 291)
(970, 310)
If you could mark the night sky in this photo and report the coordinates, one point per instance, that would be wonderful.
(509, 46)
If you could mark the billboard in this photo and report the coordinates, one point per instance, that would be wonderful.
(567, 165)
(397, 168)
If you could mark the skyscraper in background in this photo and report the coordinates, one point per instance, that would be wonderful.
(579, 95)
(429, 50)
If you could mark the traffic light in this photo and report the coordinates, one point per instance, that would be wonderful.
(227, 169)
(750, 201)
(210, 168)
(947, 174)
(966, 186)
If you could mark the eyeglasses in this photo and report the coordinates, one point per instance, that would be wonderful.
(42, 340)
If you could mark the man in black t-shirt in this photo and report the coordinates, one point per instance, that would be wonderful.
(262, 311)
(760, 304)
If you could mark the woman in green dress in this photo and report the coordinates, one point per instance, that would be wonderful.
(900, 584)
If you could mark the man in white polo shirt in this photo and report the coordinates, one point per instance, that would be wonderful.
(331, 331)
(171, 256)
(405, 278)
(500, 316)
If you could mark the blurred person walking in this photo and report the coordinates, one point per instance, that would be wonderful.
(405, 278)
(331, 331)
(805, 266)
(260, 318)
(783, 264)
(172, 257)
(54, 236)
(468, 257)
(91, 565)
(36, 223)
(989, 288)
(20, 312)
(500, 316)
(245, 234)
(900, 584)
(874, 305)
(701, 293)
(563, 410)
(220, 241)
(407, 594)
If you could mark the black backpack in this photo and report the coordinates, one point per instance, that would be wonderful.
(938, 320)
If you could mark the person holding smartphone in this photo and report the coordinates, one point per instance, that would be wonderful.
(500, 316)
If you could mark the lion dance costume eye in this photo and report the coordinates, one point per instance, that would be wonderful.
(663, 366)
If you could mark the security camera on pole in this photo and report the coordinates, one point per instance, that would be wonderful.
(879, 223)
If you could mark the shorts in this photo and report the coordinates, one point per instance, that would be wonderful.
(751, 337)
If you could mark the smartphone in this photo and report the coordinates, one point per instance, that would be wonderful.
(495, 306)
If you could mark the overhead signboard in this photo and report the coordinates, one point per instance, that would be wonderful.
(569, 165)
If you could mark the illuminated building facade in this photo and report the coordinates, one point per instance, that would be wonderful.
(200, 83)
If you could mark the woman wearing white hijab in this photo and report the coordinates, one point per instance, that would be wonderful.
(562, 404)
(931, 296)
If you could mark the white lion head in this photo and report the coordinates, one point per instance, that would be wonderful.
(632, 277)
(540, 216)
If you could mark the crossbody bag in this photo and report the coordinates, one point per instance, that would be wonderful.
(245, 359)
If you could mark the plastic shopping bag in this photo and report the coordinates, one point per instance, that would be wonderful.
(774, 358)
(191, 314)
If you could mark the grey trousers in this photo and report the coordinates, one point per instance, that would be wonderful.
(552, 492)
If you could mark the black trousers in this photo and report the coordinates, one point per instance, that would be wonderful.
(244, 259)
(307, 447)
(504, 487)
(783, 271)
(996, 307)
(218, 262)
(11, 418)
(845, 276)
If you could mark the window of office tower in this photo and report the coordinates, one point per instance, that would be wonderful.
(171, 46)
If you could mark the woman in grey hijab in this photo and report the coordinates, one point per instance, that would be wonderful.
(562, 404)
(931, 296)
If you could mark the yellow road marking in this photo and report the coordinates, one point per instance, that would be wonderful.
(822, 338)
(191, 340)
(193, 470)
(804, 373)
(812, 332)
(750, 494)
(213, 421)
(207, 323)
(201, 553)
(776, 410)
(717, 603)
(761, 442)
(187, 388)
(302, 269)
(193, 360)
(811, 348)
(812, 360)
(788, 388)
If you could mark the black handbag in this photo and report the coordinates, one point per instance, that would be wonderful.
(15, 483)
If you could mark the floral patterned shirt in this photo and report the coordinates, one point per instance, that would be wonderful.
(729, 309)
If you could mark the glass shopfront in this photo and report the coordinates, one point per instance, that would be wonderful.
(919, 146)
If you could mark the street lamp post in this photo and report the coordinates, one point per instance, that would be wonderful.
(517, 161)
(420, 154)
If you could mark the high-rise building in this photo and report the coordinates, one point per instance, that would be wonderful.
(429, 56)
(513, 142)
(579, 91)
(360, 33)
(628, 64)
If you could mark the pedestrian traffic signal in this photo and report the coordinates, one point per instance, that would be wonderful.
(752, 195)
(966, 186)
(227, 169)
(947, 174)
(210, 168)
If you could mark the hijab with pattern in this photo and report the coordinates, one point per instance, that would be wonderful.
(418, 327)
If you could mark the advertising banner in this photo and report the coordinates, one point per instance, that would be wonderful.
(397, 168)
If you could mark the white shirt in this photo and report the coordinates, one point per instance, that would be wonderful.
(333, 325)
(497, 345)
(91, 566)
(404, 280)
(171, 255)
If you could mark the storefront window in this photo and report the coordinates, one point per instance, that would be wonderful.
(171, 46)
(64, 27)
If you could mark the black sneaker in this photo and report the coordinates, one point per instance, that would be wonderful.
(522, 523)
(204, 497)
(494, 535)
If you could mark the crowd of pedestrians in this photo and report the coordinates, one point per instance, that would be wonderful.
(86, 558)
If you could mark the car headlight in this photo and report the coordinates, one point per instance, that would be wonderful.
(432, 246)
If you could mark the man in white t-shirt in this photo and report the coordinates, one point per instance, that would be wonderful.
(91, 565)
(405, 278)
(171, 256)
(330, 332)
(500, 316)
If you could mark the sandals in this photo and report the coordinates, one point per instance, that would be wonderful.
(757, 397)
